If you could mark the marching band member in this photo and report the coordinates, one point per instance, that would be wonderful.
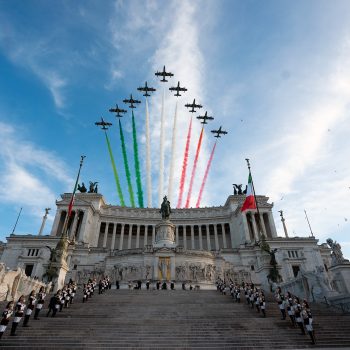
(30, 308)
(40, 303)
(19, 312)
(6, 317)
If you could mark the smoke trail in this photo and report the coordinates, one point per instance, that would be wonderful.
(194, 168)
(119, 189)
(137, 164)
(171, 172)
(161, 160)
(148, 160)
(184, 166)
(205, 176)
(126, 166)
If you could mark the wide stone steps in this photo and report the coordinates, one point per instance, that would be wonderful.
(172, 320)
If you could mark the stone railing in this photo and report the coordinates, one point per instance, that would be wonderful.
(14, 283)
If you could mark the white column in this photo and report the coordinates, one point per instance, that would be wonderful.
(192, 237)
(121, 237)
(154, 235)
(184, 236)
(223, 235)
(82, 226)
(138, 236)
(113, 236)
(56, 222)
(105, 236)
(200, 237)
(272, 225)
(263, 228)
(255, 227)
(177, 235)
(130, 234)
(145, 236)
(246, 227)
(74, 224)
(216, 237)
(208, 237)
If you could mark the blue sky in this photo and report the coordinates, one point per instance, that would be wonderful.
(275, 74)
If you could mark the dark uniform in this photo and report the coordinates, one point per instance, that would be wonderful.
(19, 312)
(40, 303)
(6, 317)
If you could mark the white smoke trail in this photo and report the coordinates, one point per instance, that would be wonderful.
(161, 156)
(172, 160)
(148, 160)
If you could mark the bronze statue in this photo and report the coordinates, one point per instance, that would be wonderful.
(165, 209)
(82, 188)
(93, 187)
(337, 254)
(53, 254)
(237, 189)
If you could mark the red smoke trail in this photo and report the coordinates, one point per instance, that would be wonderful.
(205, 176)
(184, 166)
(194, 169)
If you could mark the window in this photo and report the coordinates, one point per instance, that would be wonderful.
(252, 267)
(296, 269)
(28, 269)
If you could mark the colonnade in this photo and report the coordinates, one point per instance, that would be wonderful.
(121, 236)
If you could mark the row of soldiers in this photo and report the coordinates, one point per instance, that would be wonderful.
(299, 312)
(61, 299)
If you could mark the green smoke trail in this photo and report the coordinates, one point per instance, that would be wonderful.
(137, 165)
(119, 189)
(126, 166)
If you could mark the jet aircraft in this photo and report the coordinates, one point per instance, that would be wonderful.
(193, 106)
(131, 101)
(177, 89)
(164, 74)
(117, 110)
(104, 125)
(205, 117)
(146, 89)
(219, 132)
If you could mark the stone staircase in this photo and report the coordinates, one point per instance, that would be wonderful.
(164, 319)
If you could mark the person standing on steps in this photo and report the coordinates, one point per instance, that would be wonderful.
(280, 301)
(298, 317)
(307, 318)
(290, 308)
(262, 304)
(6, 317)
(54, 305)
(19, 312)
(30, 308)
(40, 303)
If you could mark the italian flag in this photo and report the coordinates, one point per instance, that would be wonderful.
(249, 202)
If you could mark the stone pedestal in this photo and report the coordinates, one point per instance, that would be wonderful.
(165, 235)
(341, 276)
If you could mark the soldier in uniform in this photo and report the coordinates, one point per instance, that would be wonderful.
(39, 305)
(30, 308)
(307, 317)
(19, 312)
(54, 305)
(262, 304)
(280, 301)
(298, 317)
(6, 317)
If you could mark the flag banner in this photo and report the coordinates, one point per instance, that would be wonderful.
(249, 202)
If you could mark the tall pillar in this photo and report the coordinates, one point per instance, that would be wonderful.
(75, 223)
(121, 237)
(262, 224)
(216, 237)
(184, 236)
(208, 237)
(82, 226)
(145, 236)
(255, 227)
(113, 236)
(138, 236)
(272, 225)
(223, 235)
(192, 237)
(200, 237)
(245, 227)
(130, 235)
(56, 222)
(105, 236)
(154, 234)
(177, 235)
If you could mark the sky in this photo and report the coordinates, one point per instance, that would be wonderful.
(274, 74)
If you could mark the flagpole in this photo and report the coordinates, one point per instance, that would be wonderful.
(256, 202)
(65, 225)
(312, 234)
(14, 227)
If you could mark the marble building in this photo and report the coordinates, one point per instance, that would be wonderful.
(196, 245)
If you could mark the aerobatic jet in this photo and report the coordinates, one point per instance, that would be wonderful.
(104, 125)
(146, 89)
(219, 132)
(177, 89)
(205, 117)
(193, 106)
(164, 74)
(117, 110)
(131, 101)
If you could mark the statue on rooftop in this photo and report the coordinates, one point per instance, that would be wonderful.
(82, 188)
(93, 187)
(165, 209)
(337, 254)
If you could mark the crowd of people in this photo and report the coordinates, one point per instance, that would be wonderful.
(299, 312)
(63, 298)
